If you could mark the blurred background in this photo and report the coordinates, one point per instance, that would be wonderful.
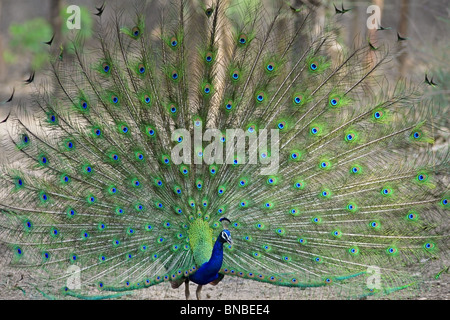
(424, 24)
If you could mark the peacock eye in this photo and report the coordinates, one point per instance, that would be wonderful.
(84, 104)
(207, 89)
(242, 39)
(136, 31)
(173, 42)
(209, 11)
(106, 67)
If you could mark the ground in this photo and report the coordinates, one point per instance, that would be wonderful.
(13, 285)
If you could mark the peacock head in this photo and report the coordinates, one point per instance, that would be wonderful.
(225, 236)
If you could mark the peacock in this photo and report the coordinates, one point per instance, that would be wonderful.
(226, 138)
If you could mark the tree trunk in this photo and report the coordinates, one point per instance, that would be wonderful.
(56, 23)
(403, 30)
(2, 61)
(355, 30)
(373, 33)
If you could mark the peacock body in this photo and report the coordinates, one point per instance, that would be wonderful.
(234, 141)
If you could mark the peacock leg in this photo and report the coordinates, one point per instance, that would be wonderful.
(198, 292)
(186, 289)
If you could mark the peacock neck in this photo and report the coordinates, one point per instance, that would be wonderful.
(217, 255)
(214, 263)
(209, 271)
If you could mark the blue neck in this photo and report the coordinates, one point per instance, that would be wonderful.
(216, 256)
(209, 271)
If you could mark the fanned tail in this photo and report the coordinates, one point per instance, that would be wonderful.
(327, 177)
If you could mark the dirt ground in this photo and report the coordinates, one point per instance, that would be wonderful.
(14, 286)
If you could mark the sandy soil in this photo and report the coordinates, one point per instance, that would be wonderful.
(14, 285)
